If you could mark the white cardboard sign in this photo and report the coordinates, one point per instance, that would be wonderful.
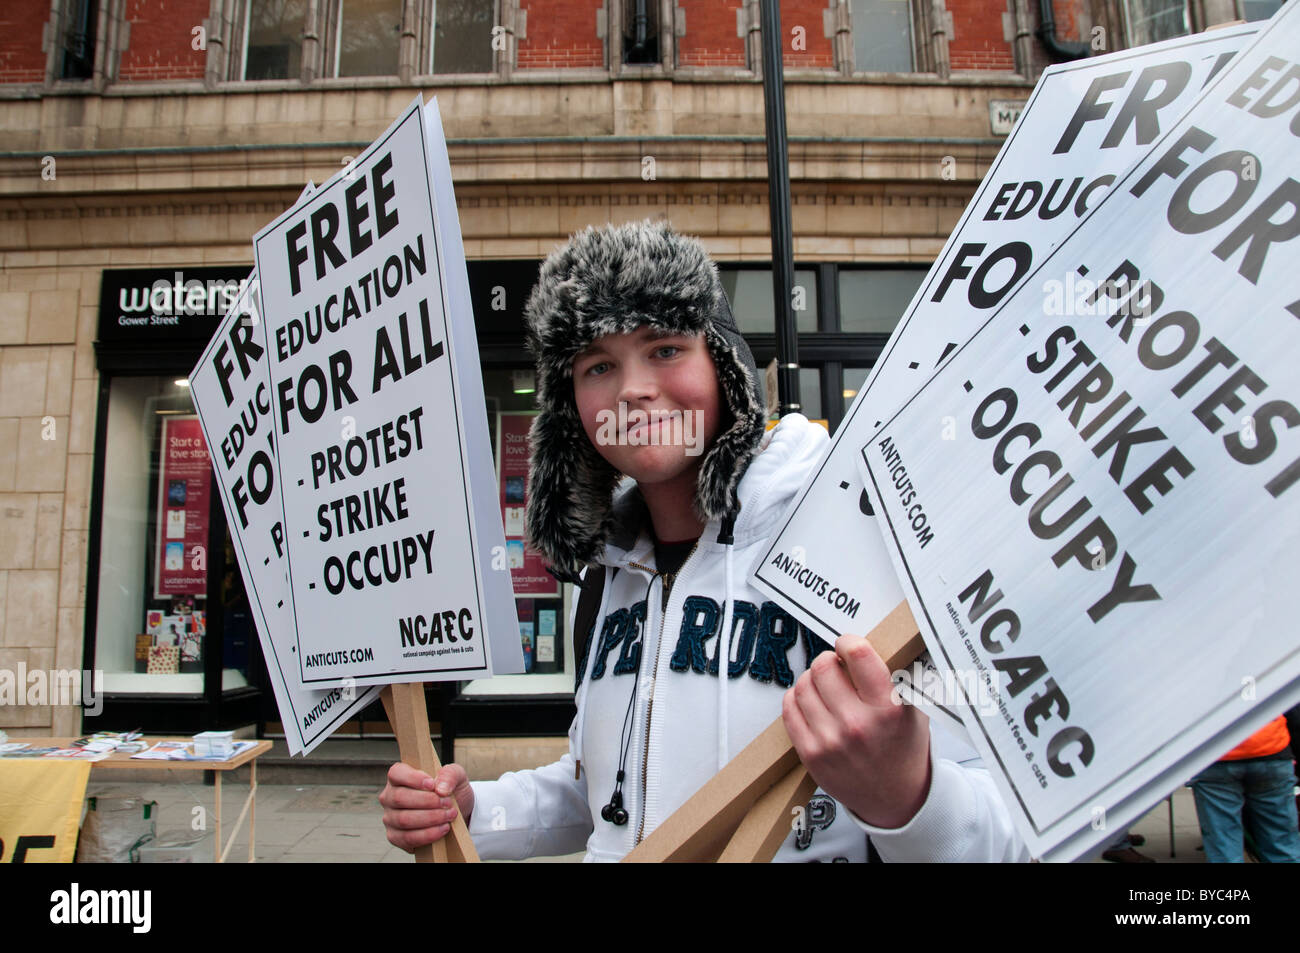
(1109, 534)
(231, 392)
(1085, 123)
(369, 392)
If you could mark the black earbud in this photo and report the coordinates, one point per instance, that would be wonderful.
(613, 811)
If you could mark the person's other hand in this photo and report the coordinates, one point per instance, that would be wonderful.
(418, 809)
(861, 744)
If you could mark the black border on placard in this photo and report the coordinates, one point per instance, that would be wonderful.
(923, 292)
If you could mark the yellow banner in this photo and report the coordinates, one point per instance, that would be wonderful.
(40, 809)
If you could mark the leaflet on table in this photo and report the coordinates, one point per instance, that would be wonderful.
(78, 754)
(1108, 535)
(379, 455)
(230, 387)
(1085, 123)
(184, 751)
(99, 745)
(164, 751)
(27, 751)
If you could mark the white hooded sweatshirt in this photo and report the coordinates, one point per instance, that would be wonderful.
(651, 701)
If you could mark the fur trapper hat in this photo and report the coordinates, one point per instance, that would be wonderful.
(614, 280)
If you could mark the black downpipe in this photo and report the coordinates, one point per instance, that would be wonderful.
(1060, 49)
(639, 52)
(778, 198)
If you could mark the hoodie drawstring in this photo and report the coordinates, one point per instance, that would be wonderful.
(592, 648)
(724, 642)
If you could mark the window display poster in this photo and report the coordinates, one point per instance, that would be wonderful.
(527, 569)
(541, 635)
(527, 633)
(182, 519)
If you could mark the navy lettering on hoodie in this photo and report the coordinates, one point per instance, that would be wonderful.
(700, 620)
(777, 633)
(630, 657)
(761, 641)
(611, 634)
(746, 615)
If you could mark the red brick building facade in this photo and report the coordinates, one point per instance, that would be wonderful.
(160, 48)
(167, 40)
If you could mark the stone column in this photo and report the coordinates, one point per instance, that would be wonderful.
(939, 38)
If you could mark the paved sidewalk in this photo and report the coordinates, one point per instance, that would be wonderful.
(295, 823)
(337, 823)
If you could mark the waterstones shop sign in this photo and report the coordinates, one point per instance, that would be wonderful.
(145, 305)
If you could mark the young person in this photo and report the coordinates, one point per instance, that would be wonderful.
(650, 467)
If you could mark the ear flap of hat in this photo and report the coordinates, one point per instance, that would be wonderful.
(720, 472)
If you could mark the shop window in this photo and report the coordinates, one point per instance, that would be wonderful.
(854, 378)
(882, 36)
(366, 37)
(541, 601)
(750, 292)
(872, 300)
(273, 39)
(1254, 10)
(1149, 21)
(810, 391)
(462, 37)
(640, 31)
(151, 620)
(77, 39)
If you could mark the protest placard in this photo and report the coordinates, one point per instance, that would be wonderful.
(1085, 123)
(380, 433)
(231, 390)
(1107, 536)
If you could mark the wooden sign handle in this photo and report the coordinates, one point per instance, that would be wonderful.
(409, 717)
(744, 811)
(766, 826)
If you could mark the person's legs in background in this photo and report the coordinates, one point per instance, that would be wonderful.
(1269, 785)
(1219, 795)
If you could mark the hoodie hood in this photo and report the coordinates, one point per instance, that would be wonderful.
(614, 280)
